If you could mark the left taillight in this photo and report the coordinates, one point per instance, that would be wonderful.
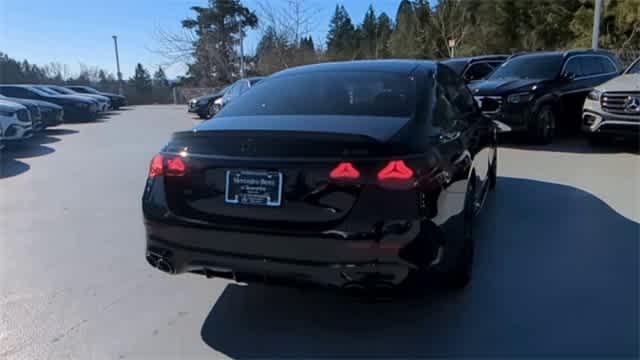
(157, 166)
(167, 166)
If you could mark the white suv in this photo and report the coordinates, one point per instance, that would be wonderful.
(613, 108)
(15, 121)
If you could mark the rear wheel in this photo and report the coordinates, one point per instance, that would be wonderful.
(543, 127)
(213, 109)
(460, 274)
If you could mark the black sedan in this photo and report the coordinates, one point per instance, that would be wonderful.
(76, 108)
(117, 101)
(205, 105)
(373, 184)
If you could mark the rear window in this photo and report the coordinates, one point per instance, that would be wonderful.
(329, 93)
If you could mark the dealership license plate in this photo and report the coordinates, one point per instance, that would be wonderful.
(261, 188)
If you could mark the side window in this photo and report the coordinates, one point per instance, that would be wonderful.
(607, 65)
(244, 86)
(590, 66)
(477, 71)
(454, 101)
(572, 66)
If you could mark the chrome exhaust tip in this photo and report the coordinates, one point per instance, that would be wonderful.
(165, 266)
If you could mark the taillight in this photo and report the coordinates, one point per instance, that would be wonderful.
(167, 166)
(157, 166)
(345, 171)
(395, 170)
(176, 167)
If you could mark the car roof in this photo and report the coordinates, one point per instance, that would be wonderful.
(476, 58)
(392, 66)
(565, 54)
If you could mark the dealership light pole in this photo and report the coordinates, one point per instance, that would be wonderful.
(115, 44)
(597, 15)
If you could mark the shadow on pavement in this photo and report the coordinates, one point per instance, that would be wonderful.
(57, 131)
(556, 274)
(11, 167)
(28, 149)
(572, 144)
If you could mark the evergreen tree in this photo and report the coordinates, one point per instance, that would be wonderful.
(383, 34)
(367, 34)
(341, 39)
(404, 39)
(141, 80)
(160, 78)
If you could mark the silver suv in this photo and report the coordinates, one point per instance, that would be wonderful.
(613, 108)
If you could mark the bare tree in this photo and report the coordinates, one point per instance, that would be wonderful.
(450, 23)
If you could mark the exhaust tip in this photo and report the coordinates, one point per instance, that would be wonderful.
(152, 259)
(165, 266)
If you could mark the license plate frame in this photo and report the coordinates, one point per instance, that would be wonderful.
(253, 188)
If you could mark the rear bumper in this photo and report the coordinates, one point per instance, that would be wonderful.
(259, 257)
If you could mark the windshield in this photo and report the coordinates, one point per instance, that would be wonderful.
(329, 93)
(529, 67)
(634, 68)
(46, 90)
(61, 90)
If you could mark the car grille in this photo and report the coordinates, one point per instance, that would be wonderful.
(489, 104)
(615, 102)
(23, 115)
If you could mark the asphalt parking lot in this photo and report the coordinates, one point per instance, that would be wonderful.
(556, 272)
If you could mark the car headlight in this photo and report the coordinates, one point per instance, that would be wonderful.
(7, 113)
(594, 95)
(520, 98)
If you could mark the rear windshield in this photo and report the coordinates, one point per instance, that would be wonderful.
(328, 93)
(530, 67)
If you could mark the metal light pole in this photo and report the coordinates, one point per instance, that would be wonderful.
(115, 44)
(597, 15)
(241, 51)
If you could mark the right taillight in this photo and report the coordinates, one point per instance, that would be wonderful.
(167, 166)
(345, 171)
(395, 170)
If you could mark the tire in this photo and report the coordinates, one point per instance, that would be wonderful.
(460, 274)
(493, 172)
(543, 127)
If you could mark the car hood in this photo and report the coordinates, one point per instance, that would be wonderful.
(100, 98)
(502, 86)
(628, 82)
(39, 103)
(72, 98)
(110, 95)
(8, 105)
(379, 128)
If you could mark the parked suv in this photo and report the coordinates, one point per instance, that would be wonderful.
(35, 112)
(15, 121)
(475, 68)
(613, 108)
(536, 92)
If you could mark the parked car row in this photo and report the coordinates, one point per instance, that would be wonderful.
(28, 109)
(539, 93)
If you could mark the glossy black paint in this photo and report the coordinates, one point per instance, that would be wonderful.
(326, 232)
(201, 105)
(564, 92)
(76, 108)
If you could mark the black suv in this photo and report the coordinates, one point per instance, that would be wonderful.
(537, 92)
(475, 68)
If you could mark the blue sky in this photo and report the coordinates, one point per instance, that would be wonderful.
(75, 32)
